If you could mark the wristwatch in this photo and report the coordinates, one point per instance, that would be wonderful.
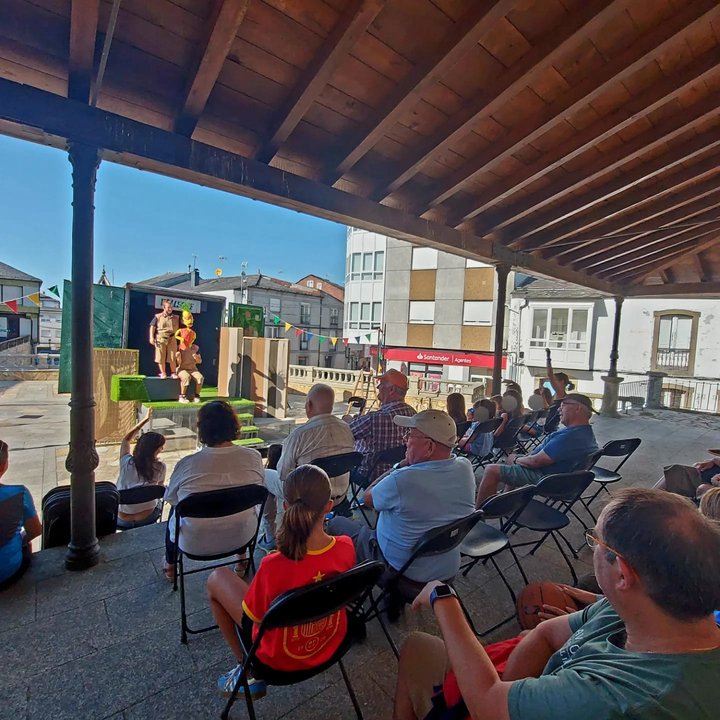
(440, 592)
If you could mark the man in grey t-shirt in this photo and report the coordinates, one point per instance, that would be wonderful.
(651, 649)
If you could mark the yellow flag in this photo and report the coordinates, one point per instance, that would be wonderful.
(333, 340)
(287, 326)
(34, 297)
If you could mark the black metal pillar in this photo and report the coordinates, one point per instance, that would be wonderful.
(82, 459)
(616, 337)
(502, 272)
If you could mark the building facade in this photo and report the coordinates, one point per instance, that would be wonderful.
(677, 337)
(435, 310)
(20, 319)
(50, 323)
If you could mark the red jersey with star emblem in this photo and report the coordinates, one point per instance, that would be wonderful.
(302, 646)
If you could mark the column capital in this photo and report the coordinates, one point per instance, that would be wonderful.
(503, 269)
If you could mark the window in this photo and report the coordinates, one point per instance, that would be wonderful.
(11, 292)
(565, 331)
(274, 305)
(365, 316)
(674, 341)
(319, 286)
(310, 283)
(422, 311)
(376, 313)
(304, 313)
(424, 258)
(334, 314)
(355, 265)
(379, 264)
(477, 312)
(367, 266)
(272, 331)
(304, 342)
(302, 359)
(354, 315)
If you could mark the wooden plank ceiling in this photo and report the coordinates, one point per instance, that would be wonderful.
(580, 138)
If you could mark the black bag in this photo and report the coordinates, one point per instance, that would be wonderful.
(56, 513)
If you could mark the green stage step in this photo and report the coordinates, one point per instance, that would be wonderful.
(239, 404)
(128, 387)
(248, 431)
(248, 442)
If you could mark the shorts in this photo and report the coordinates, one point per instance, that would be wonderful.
(519, 476)
(165, 352)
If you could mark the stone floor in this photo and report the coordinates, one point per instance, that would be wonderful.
(105, 643)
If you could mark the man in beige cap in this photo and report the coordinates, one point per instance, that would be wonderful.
(429, 488)
(375, 431)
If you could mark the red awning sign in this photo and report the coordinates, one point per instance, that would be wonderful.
(442, 357)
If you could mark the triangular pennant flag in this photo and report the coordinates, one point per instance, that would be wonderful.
(321, 338)
(34, 298)
(54, 290)
(298, 332)
(12, 304)
(369, 337)
(346, 341)
(276, 320)
(357, 339)
(308, 334)
(287, 326)
(333, 340)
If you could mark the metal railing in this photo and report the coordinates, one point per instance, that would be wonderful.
(691, 394)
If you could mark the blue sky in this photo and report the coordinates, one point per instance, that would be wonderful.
(146, 224)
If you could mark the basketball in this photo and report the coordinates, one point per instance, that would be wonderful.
(534, 596)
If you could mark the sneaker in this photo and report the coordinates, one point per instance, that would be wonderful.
(174, 376)
(162, 376)
(183, 399)
(266, 544)
(196, 399)
(227, 682)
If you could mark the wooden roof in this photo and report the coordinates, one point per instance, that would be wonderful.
(577, 139)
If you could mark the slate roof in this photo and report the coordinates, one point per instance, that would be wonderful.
(542, 289)
(235, 282)
(7, 272)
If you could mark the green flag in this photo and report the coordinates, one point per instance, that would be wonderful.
(54, 290)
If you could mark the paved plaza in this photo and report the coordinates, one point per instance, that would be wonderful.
(105, 643)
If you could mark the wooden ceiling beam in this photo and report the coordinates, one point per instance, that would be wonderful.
(464, 34)
(44, 117)
(347, 31)
(710, 289)
(644, 50)
(84, 16)
(671, 209)
(515, 234)
(223, 26)
(645, 103)
(644, 269)
(648, 192)
(581, 22)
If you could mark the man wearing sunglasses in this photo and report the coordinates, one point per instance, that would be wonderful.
(650, 649)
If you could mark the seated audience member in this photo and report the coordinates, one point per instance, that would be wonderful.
(650, 649)
(564, 451)
(321, 436)
(141, 467)
(479, 444)
(19, 525)
(375, 431)
(306, 555)
(219, 465)
(455, 406)
(511, 407)
(691, 480)
(710, 504)
(268, 527)
(426, 490)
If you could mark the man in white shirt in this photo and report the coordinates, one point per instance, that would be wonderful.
(322, 435)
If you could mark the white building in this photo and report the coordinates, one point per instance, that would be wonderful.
(678, 337)
(50, 323)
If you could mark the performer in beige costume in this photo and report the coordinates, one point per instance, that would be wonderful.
(162, 337)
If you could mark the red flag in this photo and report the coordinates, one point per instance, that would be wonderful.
(298, 332)
(12, 304)
(345, 341)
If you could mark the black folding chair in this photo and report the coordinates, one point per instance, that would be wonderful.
(486, 427)
(213, 504)
(484, 541)
(360, 483)
(507, 442)
(622, 449)
(141, 494)
(525, 441)
(564, 490)
(397, 589)
(462, 428)
(302, 606)
(335, 466)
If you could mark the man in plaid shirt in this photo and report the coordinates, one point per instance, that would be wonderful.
(375, 431)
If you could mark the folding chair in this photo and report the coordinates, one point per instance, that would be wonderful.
(140, 494)
(462, 428)
(300, 607)
(563, 489)
(484, 541)
(525, 441)
(486, 427)
(507, 442)
(213, 504)
(603, 477)
(359, 484)
(336, 465)
(397, 589)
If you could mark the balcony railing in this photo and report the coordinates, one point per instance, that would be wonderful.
(671, 359)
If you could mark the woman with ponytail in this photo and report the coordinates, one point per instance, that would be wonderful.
(306, 554)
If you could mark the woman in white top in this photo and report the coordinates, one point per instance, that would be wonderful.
(141, 467)
(219, 465)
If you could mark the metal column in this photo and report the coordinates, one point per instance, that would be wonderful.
(502, 272)
(82, 459)
(611, 389)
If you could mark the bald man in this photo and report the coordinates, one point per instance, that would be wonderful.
(322, 435)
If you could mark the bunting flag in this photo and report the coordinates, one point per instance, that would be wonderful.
(54, 290)
(34, 298)
(357, 339)
(369, 337)
(12, 304)
(287, 326)
(345, 341)
(333, 340)
(276, 320)
(298, 332)
(321, 338)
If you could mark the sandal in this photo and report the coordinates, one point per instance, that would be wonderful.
(242, 567)
(169, 571)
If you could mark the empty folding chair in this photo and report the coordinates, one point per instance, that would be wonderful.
(335, 466)
(563, 489)
(622, 449)
(213, 504)
(303, 607)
